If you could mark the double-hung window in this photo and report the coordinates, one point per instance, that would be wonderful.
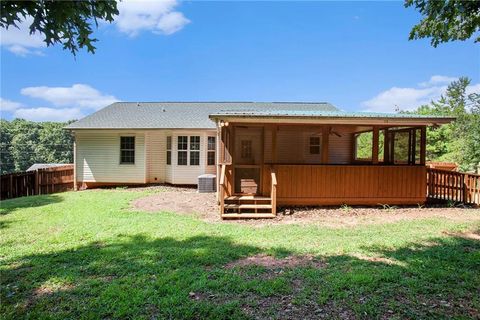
(127, 150)
(314, 145)
(169, 150)
(211, 151)
(182, 150)
(194, 150)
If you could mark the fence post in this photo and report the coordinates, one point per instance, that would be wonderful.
(36, 182)
(464, 188)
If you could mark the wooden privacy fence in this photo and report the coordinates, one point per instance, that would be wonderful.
(41, 181)
(453, 186)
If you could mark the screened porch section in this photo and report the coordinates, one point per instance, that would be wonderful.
(263, 166)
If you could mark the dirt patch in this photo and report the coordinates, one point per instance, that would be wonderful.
(182, 201)
(203, 205)
(271, 262)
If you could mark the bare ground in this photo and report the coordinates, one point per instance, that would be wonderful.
(203, 205)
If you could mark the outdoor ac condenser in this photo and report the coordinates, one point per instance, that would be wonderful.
(207, 183)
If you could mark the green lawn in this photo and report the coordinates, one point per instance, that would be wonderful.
(86, 254)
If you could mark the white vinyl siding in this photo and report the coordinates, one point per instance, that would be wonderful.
(98, 158)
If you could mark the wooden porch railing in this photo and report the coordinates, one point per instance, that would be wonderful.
(453, 186)
(222, 189)
(41, 181)
(273, 191)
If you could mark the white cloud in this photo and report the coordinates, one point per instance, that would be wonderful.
(155, 16)
(78, 95)
(410, 98)
(437, 80)
(9, 105)
(49, 114)
(19, 40)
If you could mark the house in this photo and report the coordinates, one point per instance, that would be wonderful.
(264, 154)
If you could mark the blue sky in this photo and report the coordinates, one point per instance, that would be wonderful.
(355, 55)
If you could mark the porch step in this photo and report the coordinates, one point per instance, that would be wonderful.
(248, 206)
(249, 198)
(247, 215)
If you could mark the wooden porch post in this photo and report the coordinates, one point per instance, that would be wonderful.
(423, 145)
(375, 145)
(386, 145)
(220, 157)
(325, 138)
(274, 143)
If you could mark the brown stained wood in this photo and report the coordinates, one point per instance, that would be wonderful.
(423, 145)
(348, 184)
(375, 142)
(453, 186)
(325, 142)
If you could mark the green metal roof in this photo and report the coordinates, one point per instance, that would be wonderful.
(324, 114)
(180, 115)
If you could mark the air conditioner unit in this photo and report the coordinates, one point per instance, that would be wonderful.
(207, 183)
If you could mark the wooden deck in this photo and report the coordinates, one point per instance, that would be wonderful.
(328, 185)
(347, 184)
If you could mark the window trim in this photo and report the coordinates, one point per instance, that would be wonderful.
(192, 151)
(134, 153)
(314, 145)
(188, 150)
(210, 151)
(182, 150)
(169, 151)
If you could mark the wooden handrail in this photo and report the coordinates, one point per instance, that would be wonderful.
(274, 177)
(222, 175)
(273, 195)
(222, 188)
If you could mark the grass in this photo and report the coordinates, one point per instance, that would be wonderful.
(82, 255)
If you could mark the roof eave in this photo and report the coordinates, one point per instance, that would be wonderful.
(429, 121)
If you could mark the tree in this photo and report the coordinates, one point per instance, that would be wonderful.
(446, 20)
(64, 22)
(6, 160)
(24, 143)
(458, 141)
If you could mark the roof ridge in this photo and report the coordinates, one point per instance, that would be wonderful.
(282, 102)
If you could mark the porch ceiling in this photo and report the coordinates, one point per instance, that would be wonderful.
(322, 117)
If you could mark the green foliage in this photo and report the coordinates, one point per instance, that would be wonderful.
(24, 143)
(63, 22)
(446, 20)
(459, 141)
(88, 255)
(364, 142)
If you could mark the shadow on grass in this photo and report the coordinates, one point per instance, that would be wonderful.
(186, 279)
(10, 205)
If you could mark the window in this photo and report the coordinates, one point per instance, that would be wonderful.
(194, 150)
(314, 145)
(246, 149)
(169, 150)
(127, 150)
(363, 146)
(182, 147)
(211, 151)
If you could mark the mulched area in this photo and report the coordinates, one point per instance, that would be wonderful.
(183, 200)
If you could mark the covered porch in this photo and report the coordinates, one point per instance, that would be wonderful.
(271, 160)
